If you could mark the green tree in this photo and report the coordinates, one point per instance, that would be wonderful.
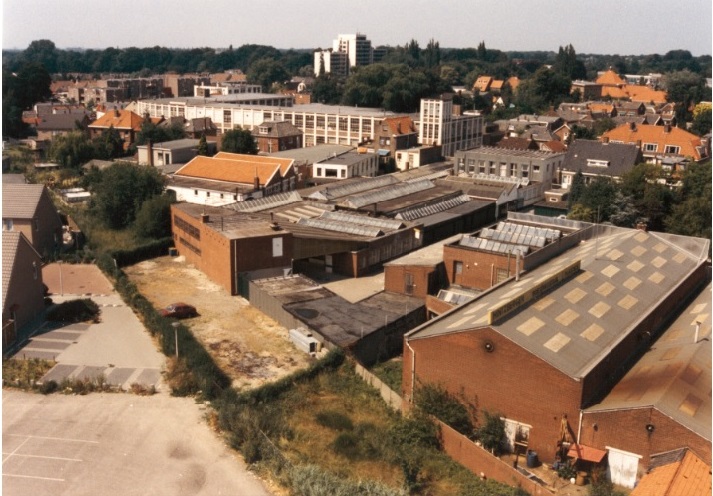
(701, 119)
(108, 144)
(239, 140)
(326, 89)
(266, 72)
(153, 220)
(202, 146)
(546, 88)
(691, 215)
(409, 441)
(599, 196)
(122, 190)
(158, 133)
(492, 432)
(685, 89)
(576, 189)
(566, 63)
(71, 150)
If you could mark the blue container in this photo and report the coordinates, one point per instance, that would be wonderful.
(532, 459)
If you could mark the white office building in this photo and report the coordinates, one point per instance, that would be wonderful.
(348, 50)
(438, 126)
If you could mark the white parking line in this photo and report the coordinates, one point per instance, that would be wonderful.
(47, 457)
(15, 450)
(54, 439)
(33, 477)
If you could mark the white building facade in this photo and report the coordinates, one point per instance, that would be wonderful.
(439, 127)
(356, 48)
(347, 165)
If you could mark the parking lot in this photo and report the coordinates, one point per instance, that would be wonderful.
(115, 444)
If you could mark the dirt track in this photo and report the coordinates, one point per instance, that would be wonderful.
(249, 346)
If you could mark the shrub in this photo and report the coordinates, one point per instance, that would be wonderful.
(74, 311)
(492, 432)
(49, 387)
(437, 401)
(346, 444)
(309, 480)
(334, 420)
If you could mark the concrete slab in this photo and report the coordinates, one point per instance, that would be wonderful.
(42, 355)
(119, 376)
(116, 445)
(90, 373)
(45, 344)
(61, 335)
(75, 279)
(60, 372)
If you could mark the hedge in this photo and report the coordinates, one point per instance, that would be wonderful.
(143, 252)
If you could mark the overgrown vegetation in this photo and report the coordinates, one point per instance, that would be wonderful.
(491, 432)
(24, 373)
(390, 373)
(455, 411)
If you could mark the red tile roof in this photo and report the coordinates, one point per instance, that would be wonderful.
(119, 119)
(689, 144)
(284, 163)
(610, 78)
(232, 170)
(685, 477)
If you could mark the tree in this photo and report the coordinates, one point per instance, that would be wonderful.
(566, 63)
(701, 119)
(157, 133)
(326, 89)
(202, 146)
(153, 220)
(691, 215)
(576, 189)
(108, 144)
(685, 89)
(599, 196)
(546, 88)
(266, 72)
(239, 140)
(71, 150)
(437, 401)
(492, 432)
(122, 190)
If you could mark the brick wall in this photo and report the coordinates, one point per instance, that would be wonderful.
(479, 267)
(509, 381)
(481, 462)
(626, 430)
(423, 277)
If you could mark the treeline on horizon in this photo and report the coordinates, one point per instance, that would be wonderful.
(297, 62)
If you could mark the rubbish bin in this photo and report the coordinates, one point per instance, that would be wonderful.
(532, 459)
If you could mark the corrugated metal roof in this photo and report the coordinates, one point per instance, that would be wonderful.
(384, 194)
(623, 275)
(267, 202)
(339, 226)
(20, 201)
(352, 187)
(442, 206)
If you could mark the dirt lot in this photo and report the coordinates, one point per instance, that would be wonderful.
(248, 345)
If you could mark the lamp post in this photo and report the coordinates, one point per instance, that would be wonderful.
(175, 334)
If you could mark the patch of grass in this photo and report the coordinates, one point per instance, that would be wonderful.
(24, 373)
(334, 420)
(390, 373)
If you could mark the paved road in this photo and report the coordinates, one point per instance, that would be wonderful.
(115, 444)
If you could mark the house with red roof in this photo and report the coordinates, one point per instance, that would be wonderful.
(127, 123)
(668, 146)
(231, 177)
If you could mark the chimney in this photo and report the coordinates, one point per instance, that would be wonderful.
(204, 218)
(632, 126)
(638, 143)
(116, 112)
(256, 182)
(605, 139)
(642, 226)
(667, 128)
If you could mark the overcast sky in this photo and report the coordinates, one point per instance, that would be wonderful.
(626, 27)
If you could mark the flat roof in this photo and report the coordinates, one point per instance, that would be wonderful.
(173, 145)
(428, 256)
(592, 296)
(311, 154)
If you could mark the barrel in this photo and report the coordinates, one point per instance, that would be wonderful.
(532, 458)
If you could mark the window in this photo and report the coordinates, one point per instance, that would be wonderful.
(330, 173)
(650, 147)
(35, 272)
(672, 149)
(408, 283)
(500, 275)
(319, 172)
(458, 268)
(298, 121)
(343, 123)
(195, 192)
(227, 117)
(320, 122)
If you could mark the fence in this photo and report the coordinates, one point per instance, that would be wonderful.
(389, 395)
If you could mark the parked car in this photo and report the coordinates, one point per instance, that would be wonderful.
(179, 311)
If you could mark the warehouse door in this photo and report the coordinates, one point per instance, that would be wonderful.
(623, 467)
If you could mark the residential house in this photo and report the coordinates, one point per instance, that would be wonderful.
(28, 208)
(171, 152)
(482, 84)
(392, 134)
(231, 177)
(126, 123)
(597, 159)
(22, 288)
(277, 136)
(50, 125)
(671, 147)
(566, 325)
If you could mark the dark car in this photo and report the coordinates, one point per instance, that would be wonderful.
(179, 311)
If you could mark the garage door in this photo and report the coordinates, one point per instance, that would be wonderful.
(623, 467)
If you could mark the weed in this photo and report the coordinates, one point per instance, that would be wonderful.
(334, 420)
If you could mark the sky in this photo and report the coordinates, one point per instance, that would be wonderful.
(624, 27)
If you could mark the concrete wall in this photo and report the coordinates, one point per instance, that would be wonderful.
(391, 398)
(271, 306)
(387, 342)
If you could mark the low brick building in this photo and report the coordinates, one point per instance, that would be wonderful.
(539, 349)
(277, 136)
